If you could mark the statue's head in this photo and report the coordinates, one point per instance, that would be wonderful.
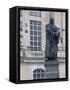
(51, 20)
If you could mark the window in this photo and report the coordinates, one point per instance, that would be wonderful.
(35, 13)
(31, 38)
(38, 74)
(35, 35)
(31, 43)
(35, 38)
(35, 32)
(31, 32)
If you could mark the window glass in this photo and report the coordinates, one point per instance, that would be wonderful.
(38, 74)
(35, 35)
(35, 13)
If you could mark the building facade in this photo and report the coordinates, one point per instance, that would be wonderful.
(32, 43)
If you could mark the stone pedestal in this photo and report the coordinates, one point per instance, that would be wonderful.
(51, 69)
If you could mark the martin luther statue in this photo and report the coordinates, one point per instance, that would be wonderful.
(52, 39)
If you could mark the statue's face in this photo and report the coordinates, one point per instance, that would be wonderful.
(51, 21)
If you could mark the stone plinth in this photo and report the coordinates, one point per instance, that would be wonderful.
(51, 69)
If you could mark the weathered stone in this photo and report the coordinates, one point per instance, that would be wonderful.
(51, 69)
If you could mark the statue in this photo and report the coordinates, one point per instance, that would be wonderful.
(52, 39)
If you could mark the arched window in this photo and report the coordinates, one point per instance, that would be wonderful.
(38, 74)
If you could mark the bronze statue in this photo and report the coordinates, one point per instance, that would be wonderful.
(52, 39)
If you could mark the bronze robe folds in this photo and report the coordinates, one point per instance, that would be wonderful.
(52, 39)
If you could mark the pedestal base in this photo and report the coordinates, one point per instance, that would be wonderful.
(51, 69)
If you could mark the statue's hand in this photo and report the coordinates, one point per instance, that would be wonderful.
(57, 33)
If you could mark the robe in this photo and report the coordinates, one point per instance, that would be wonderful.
(52, 39)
